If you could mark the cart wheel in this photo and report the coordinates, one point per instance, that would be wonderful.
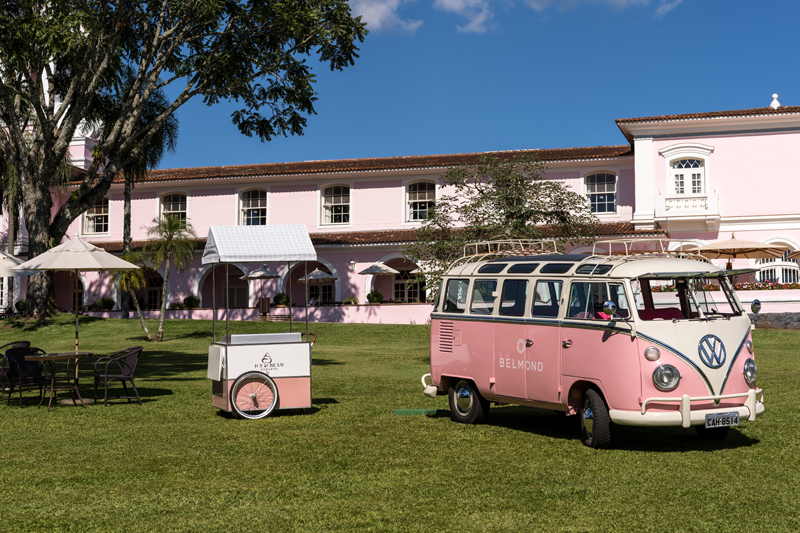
(254, 395)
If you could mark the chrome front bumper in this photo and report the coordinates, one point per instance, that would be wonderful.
(753, 407)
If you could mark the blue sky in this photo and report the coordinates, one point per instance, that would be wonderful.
(453, 76)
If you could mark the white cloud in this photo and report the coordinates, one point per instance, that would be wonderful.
(382, 15)
(664, 6)
(477, 12)
(667, 6)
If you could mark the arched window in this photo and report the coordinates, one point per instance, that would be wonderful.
(688, 176)
(174, 205)
(420, 198)
(601, 190)
(254, 208)
(405, 290)
(336, 204)
(95, 220)
(781, 270)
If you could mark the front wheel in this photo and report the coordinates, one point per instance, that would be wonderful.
(595, 422)
(466, 403)
(254, 395)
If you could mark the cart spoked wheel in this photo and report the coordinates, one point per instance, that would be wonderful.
(254, 395)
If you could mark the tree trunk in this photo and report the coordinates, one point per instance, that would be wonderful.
(139, 312)
(160, 334)
(38, 209)
(12, 242)
(126, 235)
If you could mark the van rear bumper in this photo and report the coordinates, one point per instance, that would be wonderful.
(753, 407)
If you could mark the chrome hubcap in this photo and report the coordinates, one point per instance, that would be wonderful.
(463, 399)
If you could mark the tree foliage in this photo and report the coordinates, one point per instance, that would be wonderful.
(60, 65)
(497, 198)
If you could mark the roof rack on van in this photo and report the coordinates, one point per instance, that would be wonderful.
(485, 250)
(656, 247)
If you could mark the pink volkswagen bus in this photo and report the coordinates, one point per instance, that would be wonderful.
(649, 338)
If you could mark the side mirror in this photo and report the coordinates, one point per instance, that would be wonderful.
(610, 308)
(755, 307)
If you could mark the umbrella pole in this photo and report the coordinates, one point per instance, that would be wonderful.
(306, 291)
(213, 303)
(289, 281)
(227, 311)
(76, 317)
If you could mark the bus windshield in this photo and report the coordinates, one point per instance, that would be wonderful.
(682, 298)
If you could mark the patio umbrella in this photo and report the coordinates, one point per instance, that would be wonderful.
(261, 273)
(794, 255)
(378, 269)
(7, 265)
(317, 276)
(76, 256)
(735, 248)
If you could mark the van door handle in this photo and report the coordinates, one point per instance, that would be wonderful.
(528, 343)
(567, 343)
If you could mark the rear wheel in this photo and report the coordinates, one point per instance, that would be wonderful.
(466, 403)
(254, 395)
(711, 433)
(595, 422)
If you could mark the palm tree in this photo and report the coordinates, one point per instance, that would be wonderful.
(174, 240)
(129, 281)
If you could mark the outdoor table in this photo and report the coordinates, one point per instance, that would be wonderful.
(71, 381)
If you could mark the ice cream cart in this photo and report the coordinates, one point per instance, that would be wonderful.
(254, 374)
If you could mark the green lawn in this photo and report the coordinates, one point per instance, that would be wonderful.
(177, 464)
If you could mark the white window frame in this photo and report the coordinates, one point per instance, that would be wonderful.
(408, 201)
(349, 204)
(586, 193)
(164, 212)
(88, 215)
(677, 152)
(242, 208)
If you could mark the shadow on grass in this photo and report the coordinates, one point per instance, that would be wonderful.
(325, 362)
(631, 438)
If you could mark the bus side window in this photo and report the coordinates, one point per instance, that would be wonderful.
(513, 301)
(456, 297)
(545, 299)
(586, 300)
(483, 296)
(619, 298)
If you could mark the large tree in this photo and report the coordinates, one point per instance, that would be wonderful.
(504, 197)
(60, 60)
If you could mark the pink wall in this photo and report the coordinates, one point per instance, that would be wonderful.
(293, 204)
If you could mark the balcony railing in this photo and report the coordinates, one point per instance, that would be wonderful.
(688, 207)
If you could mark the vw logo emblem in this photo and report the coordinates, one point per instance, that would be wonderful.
(712, 351)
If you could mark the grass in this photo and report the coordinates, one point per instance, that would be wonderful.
(178, 464)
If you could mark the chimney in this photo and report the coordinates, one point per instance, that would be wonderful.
(775, 103)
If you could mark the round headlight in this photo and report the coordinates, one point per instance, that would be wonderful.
(750, 371)
(666, 377)
(652, 353)
(749, 346)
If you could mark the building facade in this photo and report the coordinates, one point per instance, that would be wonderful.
(696, 176)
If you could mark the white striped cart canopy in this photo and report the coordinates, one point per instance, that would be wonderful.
(251, 244)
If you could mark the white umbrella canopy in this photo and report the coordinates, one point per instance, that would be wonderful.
(317, 276)
(735, 248)
(9, 263)
(378, 269)
(78, 256)
(261, 273)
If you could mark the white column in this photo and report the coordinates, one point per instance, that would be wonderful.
(644, 210)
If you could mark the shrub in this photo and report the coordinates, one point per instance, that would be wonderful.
(280, 299)
(351, 300)
(21, 306)
(375, 297)
(105, 304)
(191, 301)
(177, 304)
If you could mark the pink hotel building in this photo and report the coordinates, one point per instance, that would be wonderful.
(696, 176)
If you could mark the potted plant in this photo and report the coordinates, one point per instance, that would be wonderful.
(375, 297)
(280, 299)
(177, 304)
(105, 304)
(350, 300)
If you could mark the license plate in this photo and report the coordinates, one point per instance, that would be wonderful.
(720, 420)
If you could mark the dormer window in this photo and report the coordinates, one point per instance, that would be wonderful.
(688, 176)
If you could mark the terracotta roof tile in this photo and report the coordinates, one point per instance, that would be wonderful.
(376, 164)
(355, 238)
(783, 110)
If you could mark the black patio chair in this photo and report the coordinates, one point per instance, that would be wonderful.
(119, 366)
(4, 363)
(25, 374)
